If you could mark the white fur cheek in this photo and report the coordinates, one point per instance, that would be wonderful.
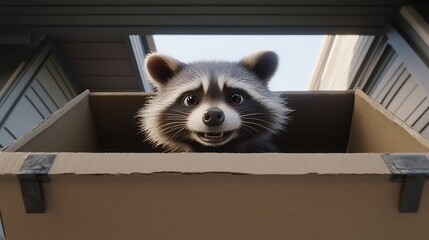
(195, 122)
(232, 119)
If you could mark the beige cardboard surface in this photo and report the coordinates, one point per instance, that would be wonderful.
(116, 122)
(69, 129)
(261, 164)
(319, 123)
(214, 206)
(10, 163)
(97, 194)
(375, 129)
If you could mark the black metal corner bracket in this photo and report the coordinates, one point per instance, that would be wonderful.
(33, 173)
(413, 171)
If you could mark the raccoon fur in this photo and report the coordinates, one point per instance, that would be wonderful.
(213, 106)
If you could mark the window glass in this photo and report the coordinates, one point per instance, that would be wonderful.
(297, 54)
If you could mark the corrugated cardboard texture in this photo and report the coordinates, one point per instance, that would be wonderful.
(214, 206)
(375, 129)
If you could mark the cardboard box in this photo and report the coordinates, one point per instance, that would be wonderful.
(330, 182)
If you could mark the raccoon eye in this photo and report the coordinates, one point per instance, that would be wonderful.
(236, 99)
(190, 100)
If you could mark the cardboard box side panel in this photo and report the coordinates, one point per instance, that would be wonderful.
(260, 164)
(320, 122)
(215, 206)
(116, 121)
(375, 129)
(69, 129)
(11, 198)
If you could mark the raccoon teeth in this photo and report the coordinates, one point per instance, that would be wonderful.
(213, 135)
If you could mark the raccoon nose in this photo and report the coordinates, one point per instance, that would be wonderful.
(213, 117)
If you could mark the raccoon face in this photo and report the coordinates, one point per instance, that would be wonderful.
(212, 104)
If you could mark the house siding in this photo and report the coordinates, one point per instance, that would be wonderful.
(336, 67)
(393, 69)
(399, 91)
(198, 17)
(47, 90)
(101, 64)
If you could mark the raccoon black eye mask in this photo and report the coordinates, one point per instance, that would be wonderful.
(213, 106)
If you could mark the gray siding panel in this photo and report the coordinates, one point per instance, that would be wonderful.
(48, 90)
(48, 82)
(397, 89)
(384, 76)
(59, 78)
(391, 95)
(23, 117)
(402, 94)
(386, 93)
(214, 16)
(418, 111)
(37, 102)
(411, 104)
(422, 121)
(96, 50)
(44, 95)
(425, 131)
(98, 69)
(5, 137)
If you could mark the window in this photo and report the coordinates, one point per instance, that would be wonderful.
(297, 53)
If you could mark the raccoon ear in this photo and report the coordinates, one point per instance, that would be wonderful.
(263, 64)
(161, 68)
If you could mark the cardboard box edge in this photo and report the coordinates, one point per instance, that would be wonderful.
(46, 123)
(392, 117)
(205, 163)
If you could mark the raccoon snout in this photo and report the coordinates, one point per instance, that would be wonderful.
(213, 117)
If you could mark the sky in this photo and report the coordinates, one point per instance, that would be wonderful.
(297, 54)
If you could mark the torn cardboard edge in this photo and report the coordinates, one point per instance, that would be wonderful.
(34, 170)
(189, 163)
(272, 163)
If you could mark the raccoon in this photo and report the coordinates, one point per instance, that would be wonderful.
(213, 106)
